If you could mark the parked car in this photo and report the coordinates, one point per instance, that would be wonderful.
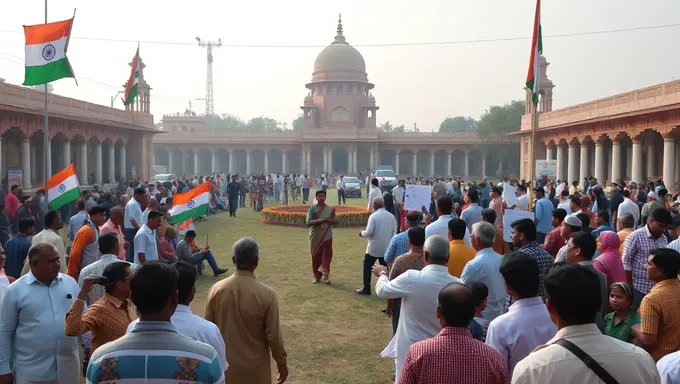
(352, 187)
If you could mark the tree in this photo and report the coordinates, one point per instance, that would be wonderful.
(458, 124)
(297, 123)
(499, 120)
(387, 127)
(263, 124)
(227, 123)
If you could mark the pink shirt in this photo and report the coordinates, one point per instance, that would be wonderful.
(110, 227)
(12, 203)
(165, 249)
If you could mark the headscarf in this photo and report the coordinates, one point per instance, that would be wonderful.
(610, 243)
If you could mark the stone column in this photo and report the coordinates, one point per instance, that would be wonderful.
(123, 161)
(372, 158)
(213, 161)
(599, 162)
(98, 164)
(325, 160)
(26, 162)
(169, 160)
(415, 164)
(560, 162)
(33, 172)
(466, 170)
(616, 160)
(396, 163)
(195, 162)
(651, 160)
(629, 161)
(330, 161)
(431, 163)
(637, 162)
(583, 172)
(669, 163)
(448, 164)
(266, 162)
(49, 161)
(500, 166)
(548, 152)
(355, 164)
(231, 162)
(247, 162)
(284, 162)
(573, 161)
(677, 159)
(82, 171)
(111, 172)
(483, 164)
(309, 160)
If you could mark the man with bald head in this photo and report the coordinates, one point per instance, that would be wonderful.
(379, 231)
(453, 356)
(115, 225)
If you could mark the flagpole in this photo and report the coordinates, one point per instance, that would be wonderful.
(532, 155)
(46, 142)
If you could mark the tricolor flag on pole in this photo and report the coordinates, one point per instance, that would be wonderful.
(536, 51)
(190, 204)
(63, 187)
(131, 85)
(46, 46)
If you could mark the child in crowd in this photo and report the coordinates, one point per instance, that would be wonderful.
(478, 326)
(618, 324)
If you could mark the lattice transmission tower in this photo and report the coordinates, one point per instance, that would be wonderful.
(209, 45)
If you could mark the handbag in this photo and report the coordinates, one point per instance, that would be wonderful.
(587, 360)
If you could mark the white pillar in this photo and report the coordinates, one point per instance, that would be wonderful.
(49, 161)
(26, 162)
(231, 162)
(669, 163)
(372, 158)
(213, 161)
(651, 160)
(98, 163)
(483, 164)
(500, 166)
(325, 160)
(123, 161)
(396, 163)
(448, 164)
(549, 152)
(112, 163)
(573, 161)
(169, 161)
(83, 163)
(677, 159)
(354, 163)
(309, 160)
(284, 162)
(616, 161)
(637, 162)
(629, 161)
(330, 161)
(599, 162)
(196, 162)
(266, 162)
(33, 172)
(431, 163)
(465, 171)
(560, 162)
(583, 172)
(415, 164)
(247, 162)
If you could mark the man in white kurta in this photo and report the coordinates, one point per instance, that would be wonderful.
(418, 291)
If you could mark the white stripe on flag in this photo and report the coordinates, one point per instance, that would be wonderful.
(203, 198)
(68, 184)
(39, 54)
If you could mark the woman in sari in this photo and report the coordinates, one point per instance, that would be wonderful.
(320, 219)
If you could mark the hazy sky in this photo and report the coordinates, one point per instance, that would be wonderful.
(422, 84)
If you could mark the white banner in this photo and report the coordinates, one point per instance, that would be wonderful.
(546, 168)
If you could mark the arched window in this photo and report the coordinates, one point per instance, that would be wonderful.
(339, 114)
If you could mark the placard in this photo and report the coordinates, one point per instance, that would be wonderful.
(509, 195)
(546, 168)
(417, 197)
(15, 176)
(509, 217)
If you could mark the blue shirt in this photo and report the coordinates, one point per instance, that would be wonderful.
(75, 223)
(486, 192)
(398, 246)
(32, 330)
(472, 214)
(16, 250)
(602, 228)
(145, 242)
(544, 211)
(155, 352)
(485, 268)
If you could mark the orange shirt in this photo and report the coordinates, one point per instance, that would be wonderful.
(84, 236)
(459, 255)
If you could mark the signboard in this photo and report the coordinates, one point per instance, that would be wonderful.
(417, 197)
(546, 168)
(509, 217)
(15, 176)
(133, 171)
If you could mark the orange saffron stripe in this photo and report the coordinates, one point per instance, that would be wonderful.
(43, 33)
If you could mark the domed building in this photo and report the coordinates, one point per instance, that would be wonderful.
(340, 134)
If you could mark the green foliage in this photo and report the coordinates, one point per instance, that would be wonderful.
(297, 123)
(499, 120)
(231, 123)
(458, 124)
(387, 127)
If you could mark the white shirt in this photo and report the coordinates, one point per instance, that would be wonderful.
(558, 190)
(485, 269)
(398, 194)
(372, 194)
(628, 206)
(76, 222)
(525, 326)
(440, 227)
(418, 317)
(340, 184)
(675, 244)
(196, 328)
(132, 211)
(50, 237)
(523, 202)
(379, 230)
(565, 205)
(4, 287)
(554, 364)
(669, 368)
(145, 242)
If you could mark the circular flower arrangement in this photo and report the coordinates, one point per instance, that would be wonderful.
(296, 215)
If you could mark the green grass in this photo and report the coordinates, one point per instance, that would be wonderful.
(331, 334)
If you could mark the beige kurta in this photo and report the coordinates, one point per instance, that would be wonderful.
(247, 313)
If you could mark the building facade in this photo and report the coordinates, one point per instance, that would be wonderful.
(105, 144)
(339, 135)
(631, 135)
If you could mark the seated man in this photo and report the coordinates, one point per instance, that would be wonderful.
(195, 255)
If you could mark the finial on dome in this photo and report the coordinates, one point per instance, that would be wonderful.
(339, 38)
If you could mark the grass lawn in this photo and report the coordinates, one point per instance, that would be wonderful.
(331, 334)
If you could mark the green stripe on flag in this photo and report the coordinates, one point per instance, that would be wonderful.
(190, 214)
(42, 74)
(131, 95)
(65, 198)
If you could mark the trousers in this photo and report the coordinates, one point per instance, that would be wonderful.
(130, 237)
(341, 196)
(305, 194)
(368, 264)
(199, 257)
(233, 204)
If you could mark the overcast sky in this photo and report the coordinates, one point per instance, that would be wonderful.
(422, 84)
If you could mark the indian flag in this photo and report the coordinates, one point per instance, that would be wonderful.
(131, 85)
(536, 51)
(46, 46)
(63, 187)
(190, 204)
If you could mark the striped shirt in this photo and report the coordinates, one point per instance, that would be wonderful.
(155, 352)
(636, 251)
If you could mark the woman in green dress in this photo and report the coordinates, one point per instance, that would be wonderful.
(619, 324)
(320, 219)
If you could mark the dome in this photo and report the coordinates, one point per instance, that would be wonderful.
(340, 56)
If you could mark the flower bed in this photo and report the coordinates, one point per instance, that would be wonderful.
(296, 215)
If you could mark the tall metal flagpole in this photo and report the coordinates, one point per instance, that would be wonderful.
(532, 155)
(46, 142)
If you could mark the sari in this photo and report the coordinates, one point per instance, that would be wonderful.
(321, 240)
